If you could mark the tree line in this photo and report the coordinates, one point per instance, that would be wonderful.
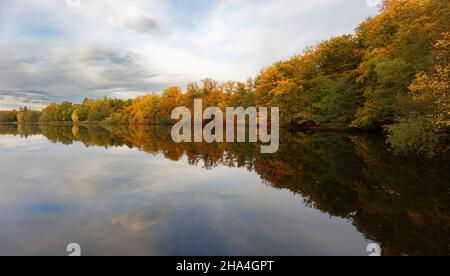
(391, 76)
(22, 116)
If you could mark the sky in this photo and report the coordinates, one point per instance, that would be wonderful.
(57, 50)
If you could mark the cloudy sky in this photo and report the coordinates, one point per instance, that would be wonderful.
(52, 50)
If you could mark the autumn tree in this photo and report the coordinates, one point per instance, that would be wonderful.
(170, 99)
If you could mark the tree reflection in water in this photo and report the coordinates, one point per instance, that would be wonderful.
(401, 202)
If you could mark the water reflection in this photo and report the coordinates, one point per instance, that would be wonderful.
(217, 204)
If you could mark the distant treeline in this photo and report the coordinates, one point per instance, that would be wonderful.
(22, 116)
(392, 76)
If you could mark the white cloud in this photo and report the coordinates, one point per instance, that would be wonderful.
(136, 20)
(108, 48)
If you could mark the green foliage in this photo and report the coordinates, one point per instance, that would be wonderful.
(99, 111)
(57, 113)
(64, 112)
(81, 113)
(413, 134)
(342, 105)
(8, 116)
(392, 80)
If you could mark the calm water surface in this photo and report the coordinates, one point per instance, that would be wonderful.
(131, 191)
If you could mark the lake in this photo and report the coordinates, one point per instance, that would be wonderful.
(132, 191)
